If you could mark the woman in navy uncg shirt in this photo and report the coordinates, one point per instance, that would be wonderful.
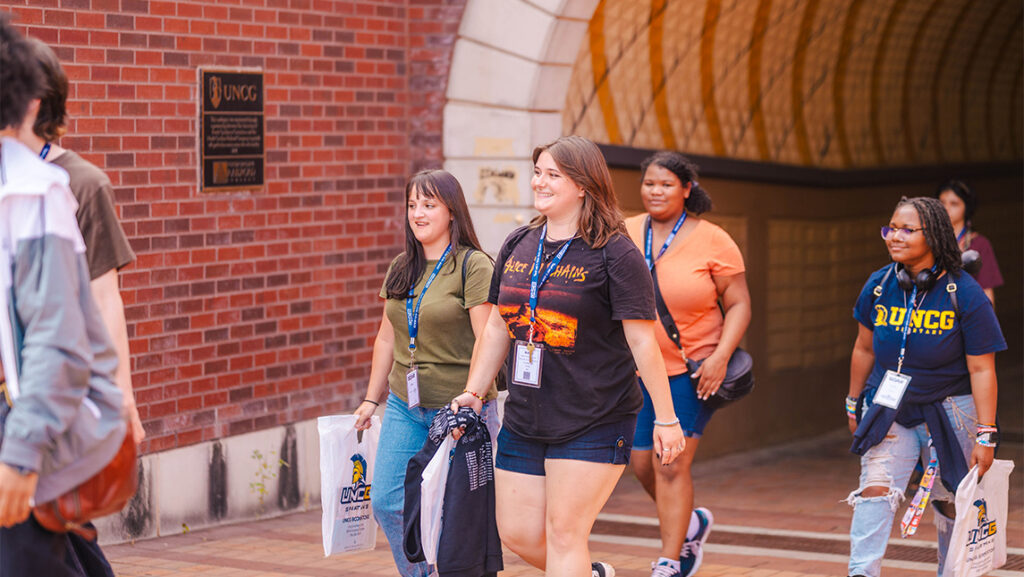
(952, 336)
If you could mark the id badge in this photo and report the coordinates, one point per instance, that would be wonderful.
(412, 387)
(527, 363)
(890, 391)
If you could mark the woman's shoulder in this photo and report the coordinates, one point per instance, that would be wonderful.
(980, 242)
(474, 258)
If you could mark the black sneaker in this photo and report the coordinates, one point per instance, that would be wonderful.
(601, 570)
(693, 549)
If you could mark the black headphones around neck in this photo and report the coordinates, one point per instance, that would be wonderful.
(924, 280)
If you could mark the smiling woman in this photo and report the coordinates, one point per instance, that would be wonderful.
(922, 379)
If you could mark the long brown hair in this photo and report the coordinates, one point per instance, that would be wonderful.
(410, 265)
(581, 160)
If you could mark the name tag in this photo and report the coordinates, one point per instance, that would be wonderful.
(890, 391)
(412, 387)
(527, 364)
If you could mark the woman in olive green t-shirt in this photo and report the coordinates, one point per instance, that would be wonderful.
(450, 278)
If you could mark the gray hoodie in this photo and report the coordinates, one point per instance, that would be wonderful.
(66, 422)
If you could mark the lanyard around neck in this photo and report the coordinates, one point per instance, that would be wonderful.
(536, 279)
(44, 151)
(649, 240)
(413, 315)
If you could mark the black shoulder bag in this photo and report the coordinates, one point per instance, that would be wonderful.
(739, 374)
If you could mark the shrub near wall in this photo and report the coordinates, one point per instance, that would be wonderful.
(248, 310)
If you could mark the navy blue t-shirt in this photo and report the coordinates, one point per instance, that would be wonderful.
(938, 338)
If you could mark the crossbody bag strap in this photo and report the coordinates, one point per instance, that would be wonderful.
(665, 316)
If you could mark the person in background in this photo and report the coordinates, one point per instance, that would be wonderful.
(574, 314)
(961, 204)
(696, 263)
(922, 379)
(106, 246)
(436, 293)
(61, 415)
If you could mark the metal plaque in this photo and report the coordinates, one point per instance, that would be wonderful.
(232, 130)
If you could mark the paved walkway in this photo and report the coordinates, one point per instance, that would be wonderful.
(779, 513)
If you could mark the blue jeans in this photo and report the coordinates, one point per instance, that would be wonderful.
(609, 443)
(889, 464)
(402, 436)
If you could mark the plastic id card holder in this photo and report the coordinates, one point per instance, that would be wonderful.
(890, 391)
(526, 364)
(412, 387)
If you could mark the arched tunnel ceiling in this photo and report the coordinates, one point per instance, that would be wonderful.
(824, 83)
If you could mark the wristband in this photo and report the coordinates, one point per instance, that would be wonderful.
(668, 424)
(474, 394)
(375, 403)
(851, 407)
(988, 439)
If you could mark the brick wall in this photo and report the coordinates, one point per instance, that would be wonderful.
(249, 310)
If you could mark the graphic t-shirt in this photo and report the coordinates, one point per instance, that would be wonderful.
(444, 346)
(938, 337)
(588, 376)
(685, 277)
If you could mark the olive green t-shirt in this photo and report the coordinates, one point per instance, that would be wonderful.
(444, 346)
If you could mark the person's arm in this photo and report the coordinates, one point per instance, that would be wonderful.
(991, 294)
(380, 367)
(984, 388)
(488, 356)
(106, 293)
(668, 439)
(862, 360)
(736, 303)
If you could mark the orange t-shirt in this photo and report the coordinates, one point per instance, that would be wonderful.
(685, 278)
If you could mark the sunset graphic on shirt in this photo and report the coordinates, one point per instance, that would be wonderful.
(556, 330)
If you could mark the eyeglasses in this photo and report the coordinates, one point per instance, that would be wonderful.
(903, 232)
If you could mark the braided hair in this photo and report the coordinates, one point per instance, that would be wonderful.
(938, 232)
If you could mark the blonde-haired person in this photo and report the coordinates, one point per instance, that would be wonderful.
(574, 347)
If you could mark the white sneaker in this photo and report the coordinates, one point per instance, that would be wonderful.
(601, 570)
(664, 570)
(692, 554)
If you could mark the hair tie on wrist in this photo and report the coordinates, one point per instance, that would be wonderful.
(375, 403)
(668, 424)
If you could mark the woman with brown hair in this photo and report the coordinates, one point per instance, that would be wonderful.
(575, 316)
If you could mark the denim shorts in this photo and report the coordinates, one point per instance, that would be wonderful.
(610, 443)
(693, 414)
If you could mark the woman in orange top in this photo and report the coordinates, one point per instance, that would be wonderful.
(696, 263)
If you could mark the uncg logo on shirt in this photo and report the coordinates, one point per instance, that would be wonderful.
(359, 491)
(986, 527)
(929, 322)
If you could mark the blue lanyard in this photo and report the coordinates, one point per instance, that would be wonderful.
(649, 240)
(44, 151)
(960, 236)
(413, 316)
(906, 327)
(536, 280)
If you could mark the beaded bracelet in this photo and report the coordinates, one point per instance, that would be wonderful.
(851, 407)
(481, 397)
(668, 424)
(988, 435)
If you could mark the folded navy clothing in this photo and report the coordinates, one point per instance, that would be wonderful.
(469, 545)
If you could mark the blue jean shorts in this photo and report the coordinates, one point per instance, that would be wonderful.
(610, 443)
(692, 413)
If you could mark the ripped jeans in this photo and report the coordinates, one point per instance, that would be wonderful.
(889, 464)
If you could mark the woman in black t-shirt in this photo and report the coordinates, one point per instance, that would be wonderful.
(575, 316)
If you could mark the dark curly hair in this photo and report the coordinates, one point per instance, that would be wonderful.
(20, 77)
(51, 123)
(965, 193)
(698, 202)
(938, 232)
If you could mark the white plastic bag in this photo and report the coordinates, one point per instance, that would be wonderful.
(346, 475)
(978, 543)
(435, 479)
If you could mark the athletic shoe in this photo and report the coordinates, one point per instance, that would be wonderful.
(664, 570)
(601, 570)
(693, 549)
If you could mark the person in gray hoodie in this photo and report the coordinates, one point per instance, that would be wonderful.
(61, 417)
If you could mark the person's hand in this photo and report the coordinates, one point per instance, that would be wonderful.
(669, 443)
(363, 412)
(710, 374)
(16, 491)
(852, 423)
(465, 400)
(138, 433)
(982, 457)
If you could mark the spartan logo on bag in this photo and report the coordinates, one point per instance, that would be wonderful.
(986, 528)
(359, 492)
